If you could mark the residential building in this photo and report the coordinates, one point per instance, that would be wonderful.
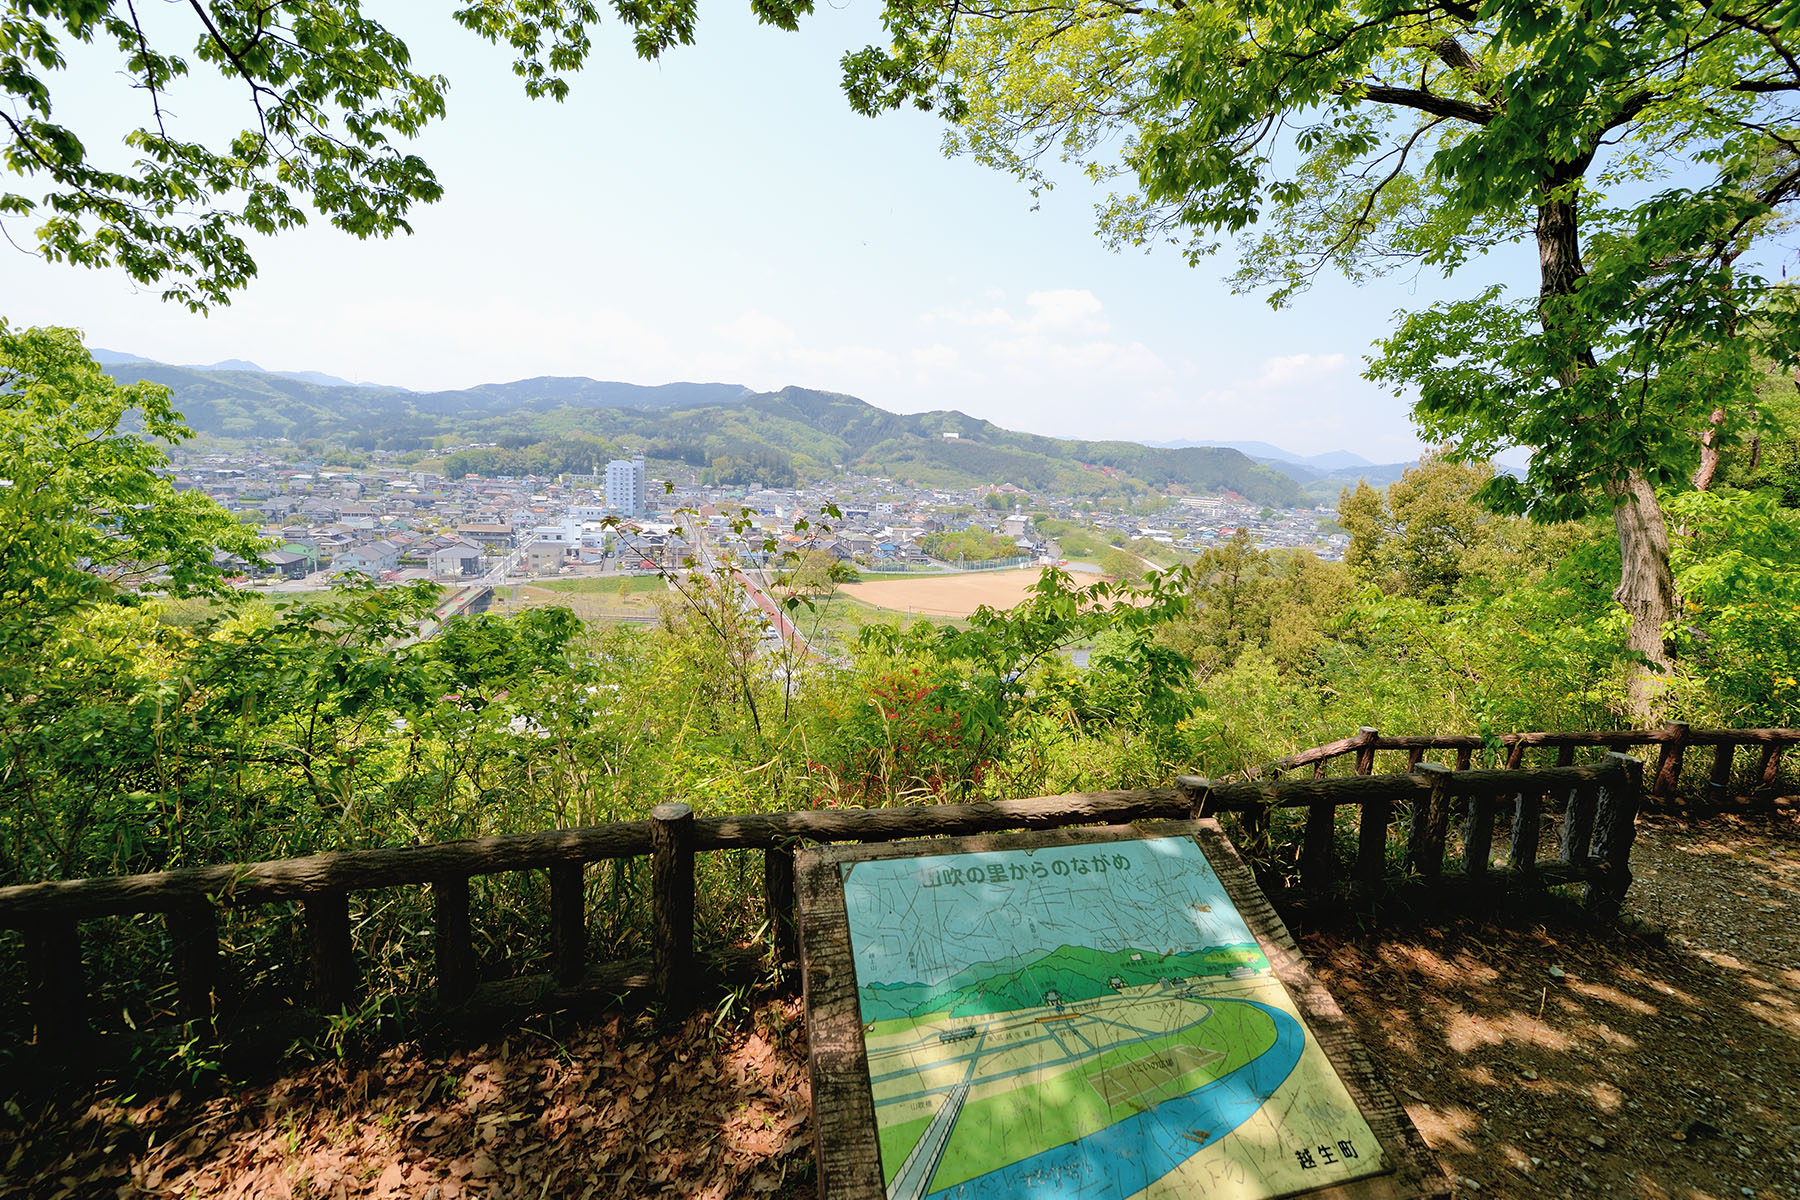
(289, 564)
(372, 559)
(625, 486)
(545, 556)
(459, 559)
(487, 535)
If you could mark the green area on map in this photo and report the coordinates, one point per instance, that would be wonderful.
(1087, 1021)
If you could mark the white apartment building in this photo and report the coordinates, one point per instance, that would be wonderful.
(625, 486)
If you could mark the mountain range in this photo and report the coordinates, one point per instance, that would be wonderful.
(1331, 460)
(787, 436)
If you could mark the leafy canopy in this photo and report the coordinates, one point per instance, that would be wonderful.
(86, 508)
(1648, 149)
(330, 95)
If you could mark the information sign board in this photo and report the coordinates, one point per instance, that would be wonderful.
(1097, 1014)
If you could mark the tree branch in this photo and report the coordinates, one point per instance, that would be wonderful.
(1420, 99)
(1633, 105)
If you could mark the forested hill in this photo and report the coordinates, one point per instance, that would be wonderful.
(796, 434)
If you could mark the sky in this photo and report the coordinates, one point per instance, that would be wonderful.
(721, 215)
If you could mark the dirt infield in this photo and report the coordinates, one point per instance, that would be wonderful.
(947, 595)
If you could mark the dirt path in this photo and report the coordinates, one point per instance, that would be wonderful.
(1540, 1057)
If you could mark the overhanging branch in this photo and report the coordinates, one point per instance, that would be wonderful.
(1418, 98)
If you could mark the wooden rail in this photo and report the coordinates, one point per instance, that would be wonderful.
(1672, 741)
(1601, 804)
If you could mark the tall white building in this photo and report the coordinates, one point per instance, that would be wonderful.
(625, 486)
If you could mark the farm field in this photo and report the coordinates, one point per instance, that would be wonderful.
(600, 600)
(633, 598)
(836, 620)
(946, 595)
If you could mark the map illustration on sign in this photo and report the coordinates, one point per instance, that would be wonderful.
(1090, 1022)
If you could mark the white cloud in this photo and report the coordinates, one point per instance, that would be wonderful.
(936, 357)
(1062, 338)
(1295, 368)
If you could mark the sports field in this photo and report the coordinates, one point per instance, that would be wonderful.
(946, 595)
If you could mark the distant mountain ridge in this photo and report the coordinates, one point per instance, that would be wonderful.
(796, 433)
(118, 358)
(1264, 452)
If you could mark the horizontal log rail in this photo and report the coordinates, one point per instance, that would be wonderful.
(362, 870)
(1672, 741)
(1600, 806)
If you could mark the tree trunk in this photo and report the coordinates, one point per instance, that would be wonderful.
(1646, 585)
(1709, 451)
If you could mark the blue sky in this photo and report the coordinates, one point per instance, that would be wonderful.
(722, 215)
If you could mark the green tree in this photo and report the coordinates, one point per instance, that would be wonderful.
(88, 512)
(969, 545)
(1227, 601)
(812, 573)
(1645, 153)
(1121, 564)
(1428, 537)
(330, 94)
(1737, 561)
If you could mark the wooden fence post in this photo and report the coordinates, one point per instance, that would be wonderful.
(1578, 824)
(1371, 841)
(1478, 838)
(568, 923)
(329, 952)
(1256, 829)
(1464, 756)
(1430, 824)
(455, 952)
(1515, 754)
(1614, 831)
(57, 986)
(672, 906)
(1527, 812)
(1718, 781)
(1769, 769)
(1414, 757)
(1668, 764)
(1317, 848)
(779, 902)
(1565, 754)
(1365, 753)
(194, 942)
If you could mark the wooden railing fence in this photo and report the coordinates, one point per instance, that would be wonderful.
(1601, 802)
(1596, 838)
(1672, 741)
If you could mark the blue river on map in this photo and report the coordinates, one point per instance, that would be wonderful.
(1130, 1155)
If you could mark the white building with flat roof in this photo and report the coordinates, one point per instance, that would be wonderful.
(625, 486)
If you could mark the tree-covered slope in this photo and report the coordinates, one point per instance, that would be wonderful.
(794, 434)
